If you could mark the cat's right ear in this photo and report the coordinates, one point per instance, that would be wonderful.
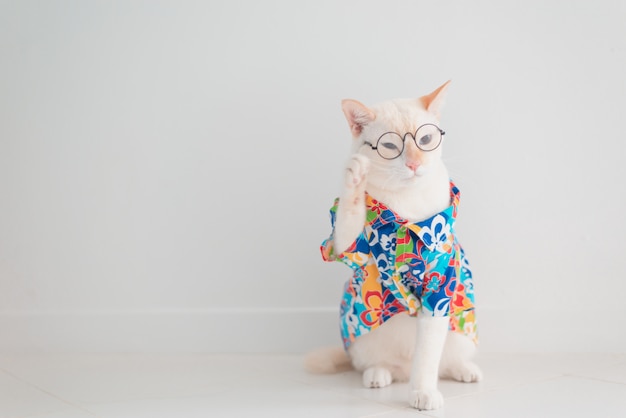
(357, 114)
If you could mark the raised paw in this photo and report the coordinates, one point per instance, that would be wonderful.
(426, 400)
(376, 377)
(356, 171)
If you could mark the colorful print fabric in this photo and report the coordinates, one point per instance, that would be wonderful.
(401, 266)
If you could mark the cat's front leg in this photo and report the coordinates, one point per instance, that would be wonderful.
(431, 337)
(351, 210)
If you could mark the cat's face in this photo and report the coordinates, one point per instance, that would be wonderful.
(402, 117)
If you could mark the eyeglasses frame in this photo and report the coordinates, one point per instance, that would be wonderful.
(413, 135)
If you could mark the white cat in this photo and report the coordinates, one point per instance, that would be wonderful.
(408, 311)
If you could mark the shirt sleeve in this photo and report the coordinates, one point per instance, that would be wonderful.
(357, 253)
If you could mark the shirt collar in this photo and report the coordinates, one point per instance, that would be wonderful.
(379, 215)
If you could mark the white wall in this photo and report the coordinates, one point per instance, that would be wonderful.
(166, 168)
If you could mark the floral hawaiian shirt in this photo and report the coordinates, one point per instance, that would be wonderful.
(400, 266)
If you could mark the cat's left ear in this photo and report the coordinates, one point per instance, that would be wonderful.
(434, 101)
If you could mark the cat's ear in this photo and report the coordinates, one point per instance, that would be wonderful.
(357, 114)
(434, 101)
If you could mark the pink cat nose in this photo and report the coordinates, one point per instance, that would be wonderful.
(413, 165)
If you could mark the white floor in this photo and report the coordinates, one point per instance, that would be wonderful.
(189, 386)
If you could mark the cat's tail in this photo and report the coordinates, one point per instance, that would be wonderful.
(327, 360)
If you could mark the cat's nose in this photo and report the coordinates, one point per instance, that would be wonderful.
(413, 165)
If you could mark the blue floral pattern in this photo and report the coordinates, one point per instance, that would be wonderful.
(399, 266)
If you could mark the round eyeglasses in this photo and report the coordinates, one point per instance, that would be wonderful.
(390, 145)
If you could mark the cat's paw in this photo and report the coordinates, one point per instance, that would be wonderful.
(467, 372)
(426, 400)
(376, 377)
(356, 171)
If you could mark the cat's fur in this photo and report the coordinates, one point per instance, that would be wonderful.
(416, 186)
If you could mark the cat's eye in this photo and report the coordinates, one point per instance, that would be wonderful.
(428, 137)
(425, 140)
(390, 145)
